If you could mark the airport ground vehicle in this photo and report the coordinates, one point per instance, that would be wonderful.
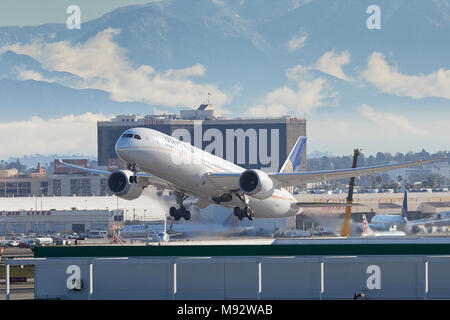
(44, 241)
(97, 234)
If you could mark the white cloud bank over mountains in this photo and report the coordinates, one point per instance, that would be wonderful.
(103, 65)
(71, 134)
(308, 92)
(374, 131)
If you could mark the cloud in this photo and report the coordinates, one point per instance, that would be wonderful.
(71, 134)
(375, 131)
(389, 80)
(265, 110)
(103, 65)
(24, 74)
(307, 95)
(219, 3)
(297, 42)
(309, 92)
(390, 122)
(331, 63)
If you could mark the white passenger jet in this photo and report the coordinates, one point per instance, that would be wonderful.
(401, 222)
(154, 158)
(146, 233)
(368, 232)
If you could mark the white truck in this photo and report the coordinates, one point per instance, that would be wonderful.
(44, 241)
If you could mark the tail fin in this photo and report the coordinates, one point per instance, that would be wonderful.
(405, 207)
(365, 226)
(294, 160)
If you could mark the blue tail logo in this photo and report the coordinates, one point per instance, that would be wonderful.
(294, 160)
(405, 207)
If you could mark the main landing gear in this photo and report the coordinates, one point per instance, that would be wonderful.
(181, 212)
(244, 213)
(177, 214)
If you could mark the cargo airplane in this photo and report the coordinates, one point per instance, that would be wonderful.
(154, 158)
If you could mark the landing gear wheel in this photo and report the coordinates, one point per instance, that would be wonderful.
(177, 214)
(181, 212)
(244, 213)
(239, 213)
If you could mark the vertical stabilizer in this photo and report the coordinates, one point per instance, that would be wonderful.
(294, 160)
(365, 226)
(405, 207)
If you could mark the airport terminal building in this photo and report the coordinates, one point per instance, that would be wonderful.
(51, 221)
(249, 142)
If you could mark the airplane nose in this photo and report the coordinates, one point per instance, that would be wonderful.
(120, 148)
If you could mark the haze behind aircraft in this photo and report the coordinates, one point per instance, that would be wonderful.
(154, 158)
(401, 222)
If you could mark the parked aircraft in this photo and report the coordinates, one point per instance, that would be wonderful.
(368, 232)
(154, 158)
(401, 222)
(142, 232)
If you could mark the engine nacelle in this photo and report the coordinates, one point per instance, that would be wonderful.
(121, 184)
(256, 183)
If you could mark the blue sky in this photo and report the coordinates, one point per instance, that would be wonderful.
(381, 90)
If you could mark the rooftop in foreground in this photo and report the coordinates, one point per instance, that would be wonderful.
(261, 247)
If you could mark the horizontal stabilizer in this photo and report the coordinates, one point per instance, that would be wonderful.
(326, 204)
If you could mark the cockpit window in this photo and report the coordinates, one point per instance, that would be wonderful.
(136, 136)
(128, 135)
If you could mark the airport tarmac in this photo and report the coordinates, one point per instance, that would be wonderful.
(19, 291)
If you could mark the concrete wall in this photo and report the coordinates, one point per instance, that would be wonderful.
(291, 277)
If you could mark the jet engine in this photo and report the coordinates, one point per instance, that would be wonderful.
(256, 183)
(122, 184)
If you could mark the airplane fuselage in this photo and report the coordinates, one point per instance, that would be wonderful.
(386, 221)
(186, 167)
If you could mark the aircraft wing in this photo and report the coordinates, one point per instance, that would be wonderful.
(423, 222)
(148, 178)
(299, 178)
(325, 204)
(95, 171)
(230, 181)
